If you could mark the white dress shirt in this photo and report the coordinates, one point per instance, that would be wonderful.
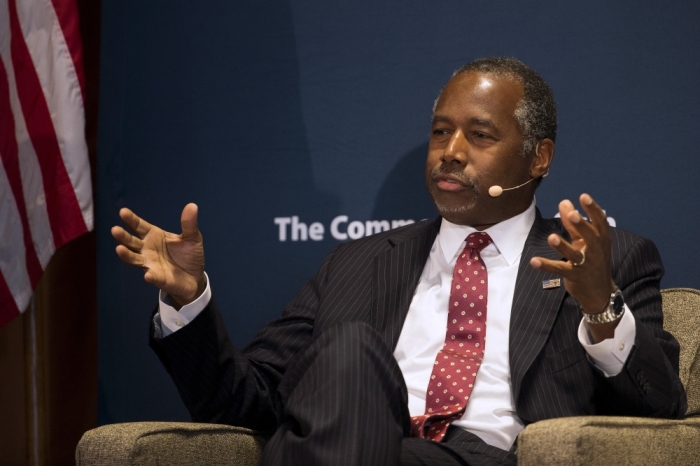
(490, 413)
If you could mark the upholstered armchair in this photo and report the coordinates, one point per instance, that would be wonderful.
(586, 440)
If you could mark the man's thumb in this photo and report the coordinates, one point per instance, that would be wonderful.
(188, 221)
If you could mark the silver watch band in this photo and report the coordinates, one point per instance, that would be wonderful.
(604, 317)
(613, 311)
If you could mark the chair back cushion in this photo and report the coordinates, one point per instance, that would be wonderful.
(682, 319)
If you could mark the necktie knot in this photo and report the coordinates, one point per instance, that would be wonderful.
(478, 240)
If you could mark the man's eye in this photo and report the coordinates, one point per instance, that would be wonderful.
(439, 132)
(481, 135)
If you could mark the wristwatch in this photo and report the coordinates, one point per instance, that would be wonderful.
(612, 312)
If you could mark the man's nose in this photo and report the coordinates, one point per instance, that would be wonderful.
(456, 149)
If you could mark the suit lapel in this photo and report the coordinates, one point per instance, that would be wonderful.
(534, 309)
(396, 275)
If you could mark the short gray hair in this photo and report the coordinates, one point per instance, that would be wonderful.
(537, 112)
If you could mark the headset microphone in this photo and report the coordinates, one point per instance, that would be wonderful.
(495, 190)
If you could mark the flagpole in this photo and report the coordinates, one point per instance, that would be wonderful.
(34, 382)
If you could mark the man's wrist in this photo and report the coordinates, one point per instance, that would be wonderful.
(612, 311)
(609, 354)
(178, 301)
(173, 319)
(602, 325)
(600, 304)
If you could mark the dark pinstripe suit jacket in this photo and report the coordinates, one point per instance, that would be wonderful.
(373, 280)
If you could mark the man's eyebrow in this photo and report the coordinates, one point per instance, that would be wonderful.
(479, 121)
(473, 121)
(440, 118)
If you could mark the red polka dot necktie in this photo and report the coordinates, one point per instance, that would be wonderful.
(458, 362)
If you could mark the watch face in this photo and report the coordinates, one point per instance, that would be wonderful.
(618, 304)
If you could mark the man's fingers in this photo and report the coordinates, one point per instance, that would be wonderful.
(156, 278)
(579, 227)
(566, 206)
(188, 221)
(576, 225)
(594, 212)
(569, 218)
(559, 267)
(567, 250)
(136, 223)
(128, 240)
(129, 257)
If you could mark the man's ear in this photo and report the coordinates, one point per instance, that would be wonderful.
(542, 159)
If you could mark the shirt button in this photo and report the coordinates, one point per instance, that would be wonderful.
(621, 347)
(179, 323)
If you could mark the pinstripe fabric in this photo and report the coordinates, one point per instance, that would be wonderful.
(372, 281)
(550, 371)
(345, 402)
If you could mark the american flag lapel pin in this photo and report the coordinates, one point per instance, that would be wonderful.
(552, 283)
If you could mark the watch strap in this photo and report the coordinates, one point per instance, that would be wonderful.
(608, 315)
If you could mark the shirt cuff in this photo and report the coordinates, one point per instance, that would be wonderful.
(610, 355)
(170, 320)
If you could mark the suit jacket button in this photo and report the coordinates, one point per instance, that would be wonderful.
(640, 376)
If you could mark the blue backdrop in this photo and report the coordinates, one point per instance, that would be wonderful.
(293, 124)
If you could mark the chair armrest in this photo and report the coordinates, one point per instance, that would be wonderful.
(172, 443)
(605, 440)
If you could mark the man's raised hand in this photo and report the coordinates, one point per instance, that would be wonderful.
(587, 271)
(173, 263)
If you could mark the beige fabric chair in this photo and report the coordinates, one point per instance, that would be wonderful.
(169, 443)
(589, 440)
(603, 440)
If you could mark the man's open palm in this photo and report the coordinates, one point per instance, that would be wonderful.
(173, 263)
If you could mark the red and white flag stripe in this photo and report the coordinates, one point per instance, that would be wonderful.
(45, 186)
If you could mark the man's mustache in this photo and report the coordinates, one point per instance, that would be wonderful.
(467, 181)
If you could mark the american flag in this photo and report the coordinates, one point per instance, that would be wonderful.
(45, 186)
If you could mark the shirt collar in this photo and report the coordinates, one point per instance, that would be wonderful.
(508, 236)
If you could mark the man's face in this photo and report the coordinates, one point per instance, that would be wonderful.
(476, 143)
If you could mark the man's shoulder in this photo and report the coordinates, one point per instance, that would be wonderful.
(371, 245)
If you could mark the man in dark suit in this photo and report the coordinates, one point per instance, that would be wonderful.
(560, 318)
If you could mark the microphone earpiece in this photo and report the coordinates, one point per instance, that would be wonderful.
(495, 191)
